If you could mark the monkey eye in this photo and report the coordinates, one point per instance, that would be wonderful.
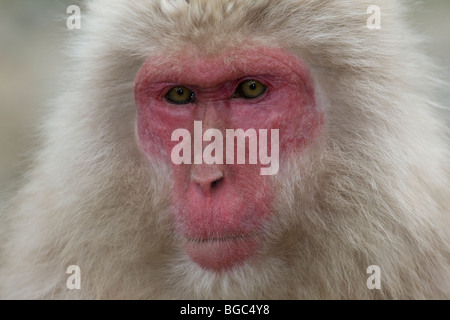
(180, 95)
(250, 89)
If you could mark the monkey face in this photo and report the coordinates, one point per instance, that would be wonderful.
(221, 207)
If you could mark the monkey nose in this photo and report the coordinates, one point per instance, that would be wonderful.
(207, 178)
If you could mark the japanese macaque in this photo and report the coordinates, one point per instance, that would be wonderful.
(361, 179)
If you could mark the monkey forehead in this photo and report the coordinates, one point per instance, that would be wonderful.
(192, 67)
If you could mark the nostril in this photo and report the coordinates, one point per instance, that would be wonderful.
(216, 183)
(207, 178)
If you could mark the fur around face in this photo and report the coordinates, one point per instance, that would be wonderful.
(373, 190)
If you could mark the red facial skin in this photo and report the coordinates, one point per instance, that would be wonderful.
(221, 210)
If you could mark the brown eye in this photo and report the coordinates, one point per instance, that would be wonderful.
(180, 95)
(250, 89)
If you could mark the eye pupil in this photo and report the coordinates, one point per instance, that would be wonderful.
(180, 91)
(252, 86)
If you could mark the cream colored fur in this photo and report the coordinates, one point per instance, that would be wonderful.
(372, 190)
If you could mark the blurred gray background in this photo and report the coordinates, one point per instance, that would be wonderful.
(31, 33)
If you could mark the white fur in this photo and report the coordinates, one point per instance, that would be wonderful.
(374, 189)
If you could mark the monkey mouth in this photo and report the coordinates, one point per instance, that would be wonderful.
(222, 253)
(223, 239)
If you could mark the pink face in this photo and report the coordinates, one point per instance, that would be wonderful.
(221, 209)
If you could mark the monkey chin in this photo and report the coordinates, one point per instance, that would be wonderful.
(220, 254)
